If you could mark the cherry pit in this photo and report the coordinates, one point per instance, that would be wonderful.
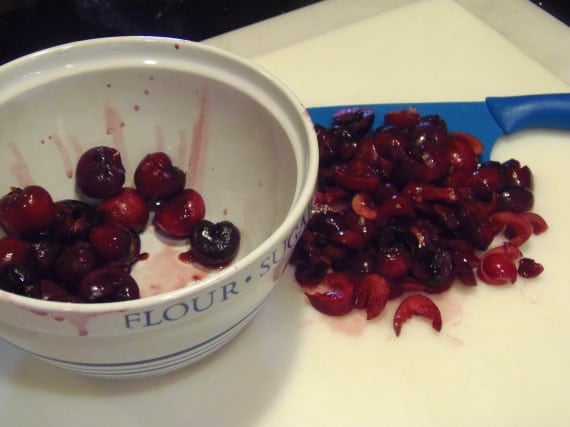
(83, 250)
(406, 210)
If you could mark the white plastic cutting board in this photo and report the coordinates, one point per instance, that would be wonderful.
(503, 356)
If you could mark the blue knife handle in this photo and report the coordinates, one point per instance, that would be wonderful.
(514, 113)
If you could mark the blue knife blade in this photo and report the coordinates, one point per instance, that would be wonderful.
(487, 120)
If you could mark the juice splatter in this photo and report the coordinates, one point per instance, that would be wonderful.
(199, 141)
(19, 168)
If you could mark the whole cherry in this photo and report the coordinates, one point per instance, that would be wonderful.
(100, 172)
(156, 178)
(115, 244)
(126, 208)
(14, 250)
(19, 279)
(73, 220)
(108, 284)
(27, 211)
(176, 216)
(74, 262)
(214, 245)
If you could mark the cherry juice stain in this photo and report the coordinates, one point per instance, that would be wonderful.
(159, 138)
(19, 168)
(163, 271)
(195, 172)
(183, 144)
(64, 154)
(114, 127)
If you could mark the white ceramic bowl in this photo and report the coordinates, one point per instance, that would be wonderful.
(247, 145)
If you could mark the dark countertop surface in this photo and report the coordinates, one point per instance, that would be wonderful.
(37, 24)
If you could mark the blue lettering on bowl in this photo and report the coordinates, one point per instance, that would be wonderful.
(201, 303)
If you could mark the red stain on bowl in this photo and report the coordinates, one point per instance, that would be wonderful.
(114, 127)
(64, 154)
(19, 168)
(163, 271)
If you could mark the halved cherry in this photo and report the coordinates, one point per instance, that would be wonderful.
(417, 305)
(372, 294)
(337, 299)
(518, 228)
(349, 238)
(363, 206)
(356, 175)
(356, 120)
(406, 118)
(473, 142)
(537, 222)
(497, 265)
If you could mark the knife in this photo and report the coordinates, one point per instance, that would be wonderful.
(487, 120)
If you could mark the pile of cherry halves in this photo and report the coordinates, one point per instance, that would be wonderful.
(407, 210)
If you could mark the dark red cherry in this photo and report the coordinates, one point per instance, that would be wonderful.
(107, 284)
(354, 120)
(53, 291)
(126, 208)
(14, 250)
(73, 220)
(44, 254)
(176, 216)
(19, 279)
(27, 211)
(100, 172)
(214, 245)
(517, 175)
(156, 178)
(74, 262)
(115, 244)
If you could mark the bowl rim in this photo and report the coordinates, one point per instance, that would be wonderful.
(296, 211)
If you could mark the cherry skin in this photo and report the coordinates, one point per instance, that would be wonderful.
(108, 284)
(156, 178)
(44, 254)
(176, 216)
(214, 245)
(126, 208)
(74, 262)
(26, 211)
(115, 244)
(417, 305)
(19, 279)
(14, 250)
(100, 172)
(73, 220)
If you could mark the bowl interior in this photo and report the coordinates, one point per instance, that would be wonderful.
(235, 148)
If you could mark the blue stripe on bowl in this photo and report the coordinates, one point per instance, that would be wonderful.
(154, 366)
